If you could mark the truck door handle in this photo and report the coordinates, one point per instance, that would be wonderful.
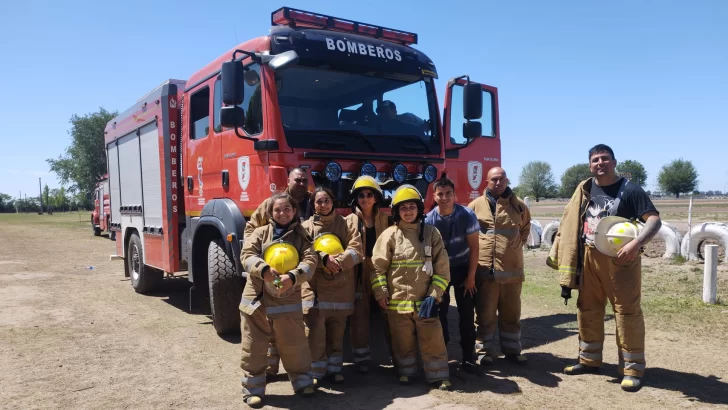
(225, 178)
(189, 184)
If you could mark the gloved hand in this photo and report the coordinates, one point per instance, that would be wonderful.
(565, 293)
(428, 308)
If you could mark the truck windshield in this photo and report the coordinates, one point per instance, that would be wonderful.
(346, 111)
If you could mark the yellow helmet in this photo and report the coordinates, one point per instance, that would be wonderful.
(404, 193)
(328, 243)
(365, 181)
(614, 232)
(281, 256)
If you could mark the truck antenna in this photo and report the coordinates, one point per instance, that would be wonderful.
(236, 34)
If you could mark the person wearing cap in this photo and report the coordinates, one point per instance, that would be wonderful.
(279, 259)
(599, 276)
(505, 223)
(328, 298)
(370, 222)
(411, 273)
(298, 190)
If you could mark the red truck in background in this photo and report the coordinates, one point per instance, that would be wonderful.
(191, 160)
(101, 215)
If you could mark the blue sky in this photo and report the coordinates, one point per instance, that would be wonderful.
(649, 78)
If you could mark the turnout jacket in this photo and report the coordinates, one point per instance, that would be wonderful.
(381, 222)
(567, 252)
(406, 270)
(256, 291)
(333, 291)
(502, 235)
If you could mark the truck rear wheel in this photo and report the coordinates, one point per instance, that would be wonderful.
(144, 278)
(226, 289)
(97, 229)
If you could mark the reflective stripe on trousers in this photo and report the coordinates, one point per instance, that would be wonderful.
(335, 363)
(361, 355)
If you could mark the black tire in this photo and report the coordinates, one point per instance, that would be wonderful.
(144, 279)
(226, 289)
(97, 229)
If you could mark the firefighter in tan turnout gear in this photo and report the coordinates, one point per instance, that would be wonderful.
(298, 190)
(370, 222)
(279, 259)
(411, 272)
(603, 276)
(328, 298)
(505, 223)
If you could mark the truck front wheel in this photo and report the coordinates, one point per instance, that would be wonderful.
(226, 289)
(144, 278)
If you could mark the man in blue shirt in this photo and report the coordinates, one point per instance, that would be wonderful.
(459, 228)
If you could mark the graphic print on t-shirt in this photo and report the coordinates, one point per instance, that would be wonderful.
(599, 207)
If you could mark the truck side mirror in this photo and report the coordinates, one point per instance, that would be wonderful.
(472, 101)
(232, 116)
(232, 83)
(472, 129)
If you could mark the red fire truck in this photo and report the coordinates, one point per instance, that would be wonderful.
(101, 215)
(192, 159)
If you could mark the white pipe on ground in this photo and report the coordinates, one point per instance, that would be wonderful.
(710, 274)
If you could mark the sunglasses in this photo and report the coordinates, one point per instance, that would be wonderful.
(363, 195)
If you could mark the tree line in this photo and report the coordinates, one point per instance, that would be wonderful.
(537, 179)
(54, 200)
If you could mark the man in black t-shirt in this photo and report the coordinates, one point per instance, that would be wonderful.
(617, 279)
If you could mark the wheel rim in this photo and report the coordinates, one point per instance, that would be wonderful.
(135, 263)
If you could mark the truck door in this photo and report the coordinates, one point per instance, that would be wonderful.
(467, 161)
(202, 156)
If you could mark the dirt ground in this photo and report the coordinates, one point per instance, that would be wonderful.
(76, 337)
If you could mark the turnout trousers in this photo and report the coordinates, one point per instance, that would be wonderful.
(498, 307)
(409, 332)
(325, 331)
(606, 278)
(360, 320)
(257, 332)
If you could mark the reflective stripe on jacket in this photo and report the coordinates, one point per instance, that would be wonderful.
(406, 270)
(335, 291)
(283, 305)
(502, 235)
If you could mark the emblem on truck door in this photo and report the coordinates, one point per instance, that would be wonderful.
(475, 174)
(199, 175)
(244, 172)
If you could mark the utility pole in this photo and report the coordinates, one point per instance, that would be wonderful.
(41, 195)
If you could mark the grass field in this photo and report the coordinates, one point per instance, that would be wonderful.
(75, 335)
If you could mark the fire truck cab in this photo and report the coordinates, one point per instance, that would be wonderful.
(191, 161)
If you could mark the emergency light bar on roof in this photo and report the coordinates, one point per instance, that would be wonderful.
(286, 16)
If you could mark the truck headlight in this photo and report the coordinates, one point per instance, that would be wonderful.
(430, 173)
(333, 171)
(368, 169)
(399, 173)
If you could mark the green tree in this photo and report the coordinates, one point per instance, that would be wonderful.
(46, 198)
(537, 180)
(84, 161)
(571, 178)
(636, 171)
(677, 177)
(6, 203)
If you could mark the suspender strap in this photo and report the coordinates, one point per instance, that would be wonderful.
(618, 199)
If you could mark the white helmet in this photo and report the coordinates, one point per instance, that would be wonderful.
(613, 232)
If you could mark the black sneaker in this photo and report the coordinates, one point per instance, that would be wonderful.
(473, 368)
(580, 369)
